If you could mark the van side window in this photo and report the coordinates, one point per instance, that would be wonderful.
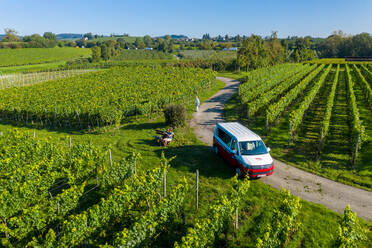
(234, 145)
(223, 136)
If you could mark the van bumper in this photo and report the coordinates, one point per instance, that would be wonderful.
(260, 172)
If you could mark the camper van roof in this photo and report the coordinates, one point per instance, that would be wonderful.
(239, 131)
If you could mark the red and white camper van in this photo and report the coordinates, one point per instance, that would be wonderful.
(243, 150)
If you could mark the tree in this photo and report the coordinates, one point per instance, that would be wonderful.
(105, 53)
(88, 35)
(253, 53)
(206, 37)
(96, 53)
(362, 45)
(161, 45)
(122, 43)
(147, 40)
(206, 45)
(50, 36)
(10, 35)
(277, 52)
(139, 43)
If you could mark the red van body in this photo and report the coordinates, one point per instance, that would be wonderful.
(243, 150)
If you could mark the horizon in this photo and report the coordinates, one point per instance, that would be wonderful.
(289, 18)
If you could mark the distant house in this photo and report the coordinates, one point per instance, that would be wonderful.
(148, 48)
(85, 38)
(231, 49)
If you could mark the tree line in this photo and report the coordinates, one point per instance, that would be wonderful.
(340, 45)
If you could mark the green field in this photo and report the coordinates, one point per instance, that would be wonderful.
(27, 56)
(31, 68)
(129, 39)
(105, 97)
(305, 108)
(142, 55)
(207, 54)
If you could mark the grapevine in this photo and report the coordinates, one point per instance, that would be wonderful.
(365, 85)
(358, 130)
(105, 97)
(203, 233)
(296, 116)
(277, 108)
(330, 103)
(152, 220)
(267, 97)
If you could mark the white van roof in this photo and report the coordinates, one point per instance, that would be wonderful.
(239, 131)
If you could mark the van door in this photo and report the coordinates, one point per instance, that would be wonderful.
(224, 140)
(233, 152)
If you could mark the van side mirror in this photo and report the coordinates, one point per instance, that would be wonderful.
(268, 149)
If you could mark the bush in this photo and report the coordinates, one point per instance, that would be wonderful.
(175, 115)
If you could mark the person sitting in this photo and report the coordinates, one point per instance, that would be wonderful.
(167, 137)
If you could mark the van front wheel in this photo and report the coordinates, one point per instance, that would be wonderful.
(237, 171)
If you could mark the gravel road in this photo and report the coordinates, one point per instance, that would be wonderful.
(310, 187)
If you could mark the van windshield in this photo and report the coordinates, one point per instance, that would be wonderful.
(255, 147)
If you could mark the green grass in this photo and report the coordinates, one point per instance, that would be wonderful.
(318, 223)
(335, 156)
(31, 68)
(143, 55)
(207, 54)
(336, 61)
(27, 56)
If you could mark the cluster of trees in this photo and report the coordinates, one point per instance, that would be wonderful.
(107, 50)
(165, 45)
(340, 45)
(256, 52)
(48, 40)
(110, 48)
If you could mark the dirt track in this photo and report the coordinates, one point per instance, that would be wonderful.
(332, 195)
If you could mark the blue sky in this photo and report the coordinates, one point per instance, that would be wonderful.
(192, 18)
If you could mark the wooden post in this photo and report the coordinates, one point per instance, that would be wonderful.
(249, 114)
(236, 218)
(69, 142)
(110, 157)
(135, 167)
(320, 143)
(267, 123)
(165, 184)
(197, 190)
(289, 134)
(6, 233)
(356, 150)
(34, 135)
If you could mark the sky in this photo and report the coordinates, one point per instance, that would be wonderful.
(189, 17)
